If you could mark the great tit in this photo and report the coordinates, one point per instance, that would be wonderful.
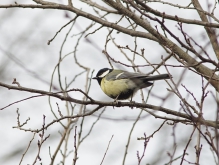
(121, 85)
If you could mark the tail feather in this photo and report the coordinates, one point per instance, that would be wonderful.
(157, 77)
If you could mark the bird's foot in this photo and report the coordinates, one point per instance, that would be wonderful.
(132, 104)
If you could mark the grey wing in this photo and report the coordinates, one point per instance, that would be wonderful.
(129, 75)
(141, 77)
(136, 76)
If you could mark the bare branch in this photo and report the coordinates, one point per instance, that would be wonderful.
(106, 150)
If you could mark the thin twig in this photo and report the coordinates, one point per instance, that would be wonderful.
(106, 150)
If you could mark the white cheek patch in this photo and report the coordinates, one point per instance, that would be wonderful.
(119, 75)
(104, 74)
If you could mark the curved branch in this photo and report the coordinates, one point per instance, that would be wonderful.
(211, 33)
(176, 18)
(86, 15)
(112, 104)
(205, 71)
(152, 35)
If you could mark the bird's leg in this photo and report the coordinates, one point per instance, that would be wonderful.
(132, 98)
(133, 102)
(115, 100)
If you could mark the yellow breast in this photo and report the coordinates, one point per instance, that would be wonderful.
(117, 87)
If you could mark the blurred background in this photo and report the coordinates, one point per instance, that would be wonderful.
(26, 56)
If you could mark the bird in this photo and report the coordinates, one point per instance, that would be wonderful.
(122, 85)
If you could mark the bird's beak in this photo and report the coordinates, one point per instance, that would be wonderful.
(95, 78)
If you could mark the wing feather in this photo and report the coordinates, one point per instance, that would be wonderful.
(139, 78)
(126, 75)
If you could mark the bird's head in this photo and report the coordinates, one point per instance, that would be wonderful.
(101, 74)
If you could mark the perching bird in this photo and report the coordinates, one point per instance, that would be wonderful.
(121, 85)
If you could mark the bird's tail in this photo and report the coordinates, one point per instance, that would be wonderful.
(157, 77)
